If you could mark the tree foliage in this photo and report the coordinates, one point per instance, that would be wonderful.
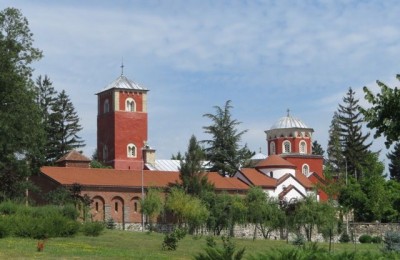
(21, 132)
(317, 148)
(394, 164)
(223, 149)
(151, 205)
(353, 141)
(64, 127)
(194, 180)
(384, 114)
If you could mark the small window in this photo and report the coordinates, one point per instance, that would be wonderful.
(130, 105)
(131, 151)
(116, 206)
(106, 106)
(272, 148)
(305, 169)
(271, 174)
(303, 147)
(286, 147)
(135, 206)
(97, 206)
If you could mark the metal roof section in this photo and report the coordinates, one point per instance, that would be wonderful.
(172, 165)
(288, 122)
(259, 156)
(123, 82)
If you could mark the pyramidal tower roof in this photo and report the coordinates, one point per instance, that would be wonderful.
(123, 82)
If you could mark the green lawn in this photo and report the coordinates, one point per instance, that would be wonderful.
(133, 245)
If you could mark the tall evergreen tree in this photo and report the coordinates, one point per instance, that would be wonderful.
(353, 141)
(394, 165)
(224, 151)
(21, 133)
(191, 172)
(64, 124)
(45, 98)
(336, 159)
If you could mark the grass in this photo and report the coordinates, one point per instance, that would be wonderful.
(114, 244)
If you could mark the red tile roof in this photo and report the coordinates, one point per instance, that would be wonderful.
(287, 190)
(275, 161)
(131, 178)
(74, 156)
(226, 183)
(257, 178)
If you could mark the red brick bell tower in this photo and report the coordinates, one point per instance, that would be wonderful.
(122, 124)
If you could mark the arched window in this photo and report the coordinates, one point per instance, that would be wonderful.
(97, 206)
(305, 169)
(272, 148)
(116, 206)
(130, 105)
(131, 151)
(286, 147)
(106, 106)
(303, 147)
(135, 208)
(105, 153)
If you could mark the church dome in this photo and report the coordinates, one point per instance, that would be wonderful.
(288, 122)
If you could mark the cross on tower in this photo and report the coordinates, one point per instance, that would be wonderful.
(122, 68)
(288, 112)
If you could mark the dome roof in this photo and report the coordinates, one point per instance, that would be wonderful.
(288, 122)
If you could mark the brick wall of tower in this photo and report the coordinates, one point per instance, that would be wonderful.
(294, 142)
(105, 129)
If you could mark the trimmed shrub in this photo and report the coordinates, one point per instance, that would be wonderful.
(344, 238)
(392, 241)
(93, 229)
(365, 239)
(376, 240)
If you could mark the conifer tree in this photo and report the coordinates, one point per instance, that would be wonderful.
(317, 148)
(224, 151)
(45, 98)
(64, 124)
(336, 159)
(353, 141)
(191, 171)
(394, 165)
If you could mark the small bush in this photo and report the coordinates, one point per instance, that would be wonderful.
(365, 239)
(93, 229)
(110, 224)
(376, 240)
(299, 240)
(8, 208)
(228, 251)
(70, 212)
(171, 239)
(392, 241)
(4, 228)
(344, 238)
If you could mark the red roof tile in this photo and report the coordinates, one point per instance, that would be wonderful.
(287, 190)
(74, 156)
(275, 161)
(306, 183)
(131, 178)
(257, 178)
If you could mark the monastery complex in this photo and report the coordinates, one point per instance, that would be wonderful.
(290, 171)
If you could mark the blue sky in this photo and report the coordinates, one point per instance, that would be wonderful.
(265, 56)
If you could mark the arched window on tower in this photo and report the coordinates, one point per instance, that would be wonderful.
(105, 153)
(131, 151)
(272, 147)
(106, 106)
(130, 105)
(305, 169)
(287, 147)
(303, 147)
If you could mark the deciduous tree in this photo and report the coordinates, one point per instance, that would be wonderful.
(384, 114)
